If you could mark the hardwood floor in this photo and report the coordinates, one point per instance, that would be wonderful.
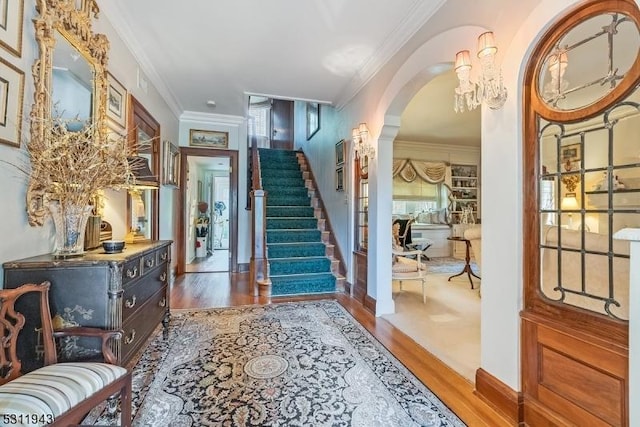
(207, 290)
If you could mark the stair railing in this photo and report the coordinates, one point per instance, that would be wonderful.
(259, 267)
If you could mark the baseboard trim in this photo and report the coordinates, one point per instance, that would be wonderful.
(499, 395)
(370, 304)
(347, 288)
(243, 268)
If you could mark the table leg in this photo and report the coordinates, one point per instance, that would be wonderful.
(467, 266)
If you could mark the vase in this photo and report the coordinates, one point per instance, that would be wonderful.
(70, 222)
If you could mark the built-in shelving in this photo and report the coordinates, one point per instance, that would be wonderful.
(465, 186)
(622, 198)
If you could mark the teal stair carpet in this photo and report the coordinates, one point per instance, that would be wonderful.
(295, 251)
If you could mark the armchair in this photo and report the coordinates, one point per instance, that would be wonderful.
(58, 394)
(402, 232)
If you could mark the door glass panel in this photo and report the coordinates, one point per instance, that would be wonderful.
(588, 61)
(589, 190)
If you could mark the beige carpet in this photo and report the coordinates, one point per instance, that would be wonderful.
(448, 325)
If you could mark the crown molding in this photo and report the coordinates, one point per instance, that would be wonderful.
(419, 14)
(212, 118)
(417, 145)
(114, 14)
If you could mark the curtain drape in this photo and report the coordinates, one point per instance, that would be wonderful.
(431, 172)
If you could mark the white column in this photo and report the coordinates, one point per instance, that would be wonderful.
(633, 234)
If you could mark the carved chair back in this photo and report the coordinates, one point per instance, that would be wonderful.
(12, 322)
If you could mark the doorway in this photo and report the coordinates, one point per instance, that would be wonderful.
(208, 211)
(448, 324)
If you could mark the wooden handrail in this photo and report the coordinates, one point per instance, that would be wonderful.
(259, 267)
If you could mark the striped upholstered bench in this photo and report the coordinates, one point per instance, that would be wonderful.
(42, 396)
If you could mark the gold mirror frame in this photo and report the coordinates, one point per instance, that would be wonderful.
(72, 19)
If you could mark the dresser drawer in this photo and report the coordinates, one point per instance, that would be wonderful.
(163, 254)
(139, 327)
(149, 262)
(137, 293)
(131, 270)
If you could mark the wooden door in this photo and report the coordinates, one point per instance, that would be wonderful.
(282, 124)
(575, 329)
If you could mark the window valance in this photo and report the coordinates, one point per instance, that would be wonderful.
(431, 172)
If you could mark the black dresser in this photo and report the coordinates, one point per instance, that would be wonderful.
(127, 291)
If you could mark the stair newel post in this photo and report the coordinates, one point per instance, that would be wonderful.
(259, 267)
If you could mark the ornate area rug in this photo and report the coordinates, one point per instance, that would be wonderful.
(448, 265)
(290, 364)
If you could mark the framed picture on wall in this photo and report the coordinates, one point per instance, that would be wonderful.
(313, 119)
(11, 97)
(571, 156)
(116, 102)
(340, 152)
(571, 153)
(11, 18)
(171, 164)
(340, 178)
(209, 139)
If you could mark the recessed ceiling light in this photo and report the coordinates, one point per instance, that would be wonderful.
(211, 103)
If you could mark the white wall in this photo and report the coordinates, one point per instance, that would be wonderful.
(21, 240)
(320, 151)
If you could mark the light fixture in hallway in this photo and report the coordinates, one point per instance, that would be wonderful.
(489, 89)
(361, 145)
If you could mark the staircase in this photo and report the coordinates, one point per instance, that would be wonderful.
(299, 254)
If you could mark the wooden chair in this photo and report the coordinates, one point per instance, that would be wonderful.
(404, 268)
(59, 394)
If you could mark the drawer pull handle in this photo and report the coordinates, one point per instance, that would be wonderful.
(149, 262)
(129, 338)
(163, 276)
(163, 256)
(162, 302)
(130, 303)
(131, 273)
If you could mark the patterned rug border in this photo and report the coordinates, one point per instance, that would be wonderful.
(156, 339)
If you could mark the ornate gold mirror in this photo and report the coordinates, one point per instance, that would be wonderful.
(70, 78)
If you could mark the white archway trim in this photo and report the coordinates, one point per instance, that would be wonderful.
(380, 197)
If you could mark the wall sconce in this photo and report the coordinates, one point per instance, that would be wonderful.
(558, 63)
(489, 89)
(570, 181)
(361, 146)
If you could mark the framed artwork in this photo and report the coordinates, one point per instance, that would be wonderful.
(116, 102)
(11, 97)
(313, 119)
(571, 153)
(209, 139)
(340, 178)
(571, 156)
(171, 164)
(11, 17)
(340, 152)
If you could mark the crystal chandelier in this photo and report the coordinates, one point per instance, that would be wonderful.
(489, 89)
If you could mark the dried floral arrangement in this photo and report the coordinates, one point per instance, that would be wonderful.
(72, 166)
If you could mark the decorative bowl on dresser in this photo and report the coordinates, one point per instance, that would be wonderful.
(127, 291)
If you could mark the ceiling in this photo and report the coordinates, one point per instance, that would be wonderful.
(319, 50)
